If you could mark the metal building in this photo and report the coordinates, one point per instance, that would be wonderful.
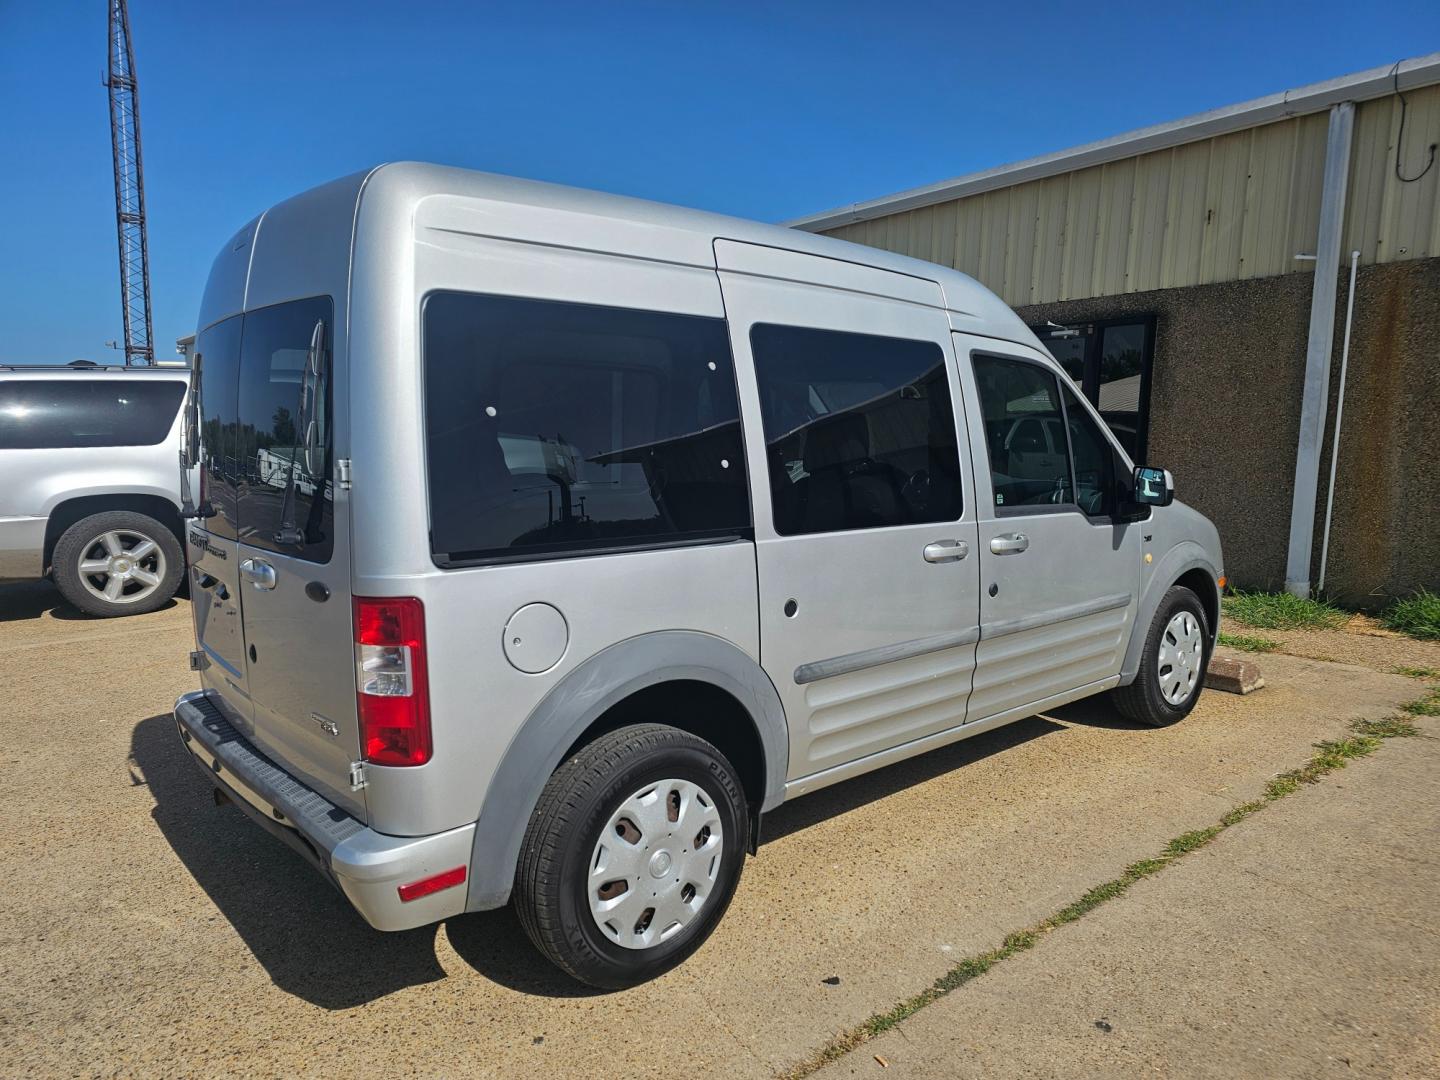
(1173, 271)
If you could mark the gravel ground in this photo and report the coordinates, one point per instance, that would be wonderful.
(145, 931)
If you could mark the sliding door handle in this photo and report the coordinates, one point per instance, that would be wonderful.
(946, 551)
(1009, 545)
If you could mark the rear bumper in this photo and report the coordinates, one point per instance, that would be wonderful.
(367, 866)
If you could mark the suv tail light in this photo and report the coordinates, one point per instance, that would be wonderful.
(391, 689)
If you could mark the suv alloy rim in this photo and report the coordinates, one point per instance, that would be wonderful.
(655, 864)
(122, 567)
(1182, 658)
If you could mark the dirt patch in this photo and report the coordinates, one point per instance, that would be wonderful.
(1362, 641)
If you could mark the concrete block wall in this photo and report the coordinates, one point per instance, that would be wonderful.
(1225, 413)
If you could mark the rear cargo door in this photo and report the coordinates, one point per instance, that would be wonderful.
(294, 563)
(212, 539)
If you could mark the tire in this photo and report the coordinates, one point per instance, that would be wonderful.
(138, 564)
(1152, 698)
(598, 791)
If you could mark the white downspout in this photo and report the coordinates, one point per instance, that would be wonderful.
(1317, 350)
(1339, 416)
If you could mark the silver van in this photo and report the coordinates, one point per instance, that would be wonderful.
(90, 488)
(548, 539)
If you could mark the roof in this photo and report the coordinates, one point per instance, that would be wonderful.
(69, 371)
(391, 197)
(1317, 97)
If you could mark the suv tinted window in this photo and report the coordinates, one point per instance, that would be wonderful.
(859, 430)
(286, 500)
(555, 427)
(51, 414)
(217, 364)
(1024, 432)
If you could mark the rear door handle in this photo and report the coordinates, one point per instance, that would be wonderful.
(946, 551)
(1009, 545)
(258, 572)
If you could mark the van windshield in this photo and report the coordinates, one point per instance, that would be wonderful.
(560, 428)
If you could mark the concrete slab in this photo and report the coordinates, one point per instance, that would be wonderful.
(143, 929)
(1301, 943)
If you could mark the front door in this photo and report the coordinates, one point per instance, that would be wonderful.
(1059, 575)
(294, 562)
(864, 535)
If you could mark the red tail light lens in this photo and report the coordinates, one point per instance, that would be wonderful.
(391, 687)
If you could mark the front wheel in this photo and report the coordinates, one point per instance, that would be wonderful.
(1172, 666)
(632, 855)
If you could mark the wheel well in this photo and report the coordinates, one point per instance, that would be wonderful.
(702, 709)
(72, 510)
(1203, 586)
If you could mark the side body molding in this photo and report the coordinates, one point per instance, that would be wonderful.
(1180, 559)
(579, 699)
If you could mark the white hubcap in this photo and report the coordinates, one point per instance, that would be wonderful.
(655, 864)
(1181, 658)
(121, 567)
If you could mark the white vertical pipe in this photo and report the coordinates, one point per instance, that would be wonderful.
(1316, 393)
(1339, 416)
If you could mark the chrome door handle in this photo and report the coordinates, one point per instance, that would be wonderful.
(946, 551)
(1009, 545)
(258, 572)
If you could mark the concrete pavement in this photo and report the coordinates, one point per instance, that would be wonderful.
(144, 930)
(1300, 943)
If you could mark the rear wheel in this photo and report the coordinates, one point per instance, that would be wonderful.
(632, 855)
(118, 563)
(1172, 666)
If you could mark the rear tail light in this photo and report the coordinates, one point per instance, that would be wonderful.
(391, 688)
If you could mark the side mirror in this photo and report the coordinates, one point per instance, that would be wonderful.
(1154, 487)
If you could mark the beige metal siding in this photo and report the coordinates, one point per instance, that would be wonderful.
(1237, 206)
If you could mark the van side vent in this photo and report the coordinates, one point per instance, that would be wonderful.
(357, 775)
(342, 473)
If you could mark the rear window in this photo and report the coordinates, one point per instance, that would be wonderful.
(51, 414)
(557, 428)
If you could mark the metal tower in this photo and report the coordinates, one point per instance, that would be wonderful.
(129, 189)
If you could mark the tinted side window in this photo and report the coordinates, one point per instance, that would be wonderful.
(217, 363)
(1024, 432)
(1094, 460)
(282, 440)
(859, 430)
(554, 427)
(66, 413)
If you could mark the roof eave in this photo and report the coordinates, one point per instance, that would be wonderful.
(1361, 86)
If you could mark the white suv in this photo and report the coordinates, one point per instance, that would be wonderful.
(90, 483)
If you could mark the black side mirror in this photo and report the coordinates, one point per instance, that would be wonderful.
(1154, 487)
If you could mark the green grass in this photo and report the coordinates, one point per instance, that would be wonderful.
(1248, 643)
(1418, 616)
(1366, 737)
(1281, 611)
(1417, 672)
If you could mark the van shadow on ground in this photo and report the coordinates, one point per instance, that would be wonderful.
(314, 946)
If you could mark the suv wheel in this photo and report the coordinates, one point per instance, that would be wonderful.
(632, 855)
(118, 563)
(1172, 667)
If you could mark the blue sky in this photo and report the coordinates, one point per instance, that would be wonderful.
(764, 110)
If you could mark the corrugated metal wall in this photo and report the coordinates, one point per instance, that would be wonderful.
(1237, 206)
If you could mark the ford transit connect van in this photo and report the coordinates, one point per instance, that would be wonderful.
(548, 539)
